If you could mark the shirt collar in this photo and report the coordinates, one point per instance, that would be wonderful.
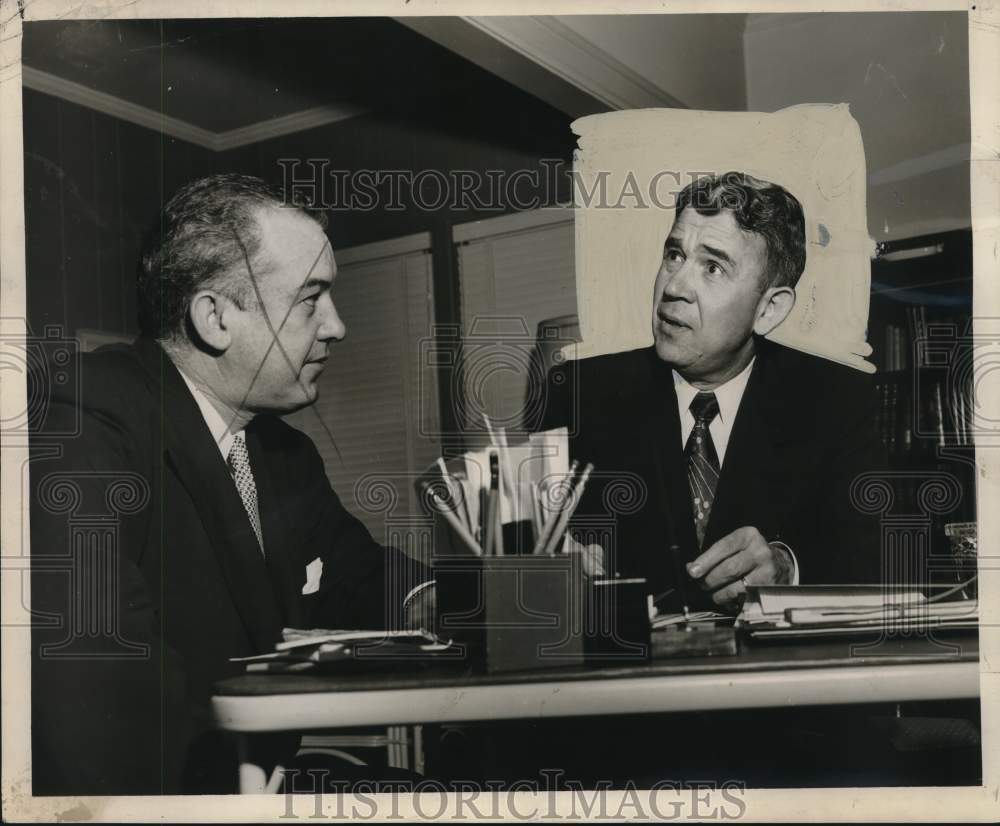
(728, 394)
(216, 424)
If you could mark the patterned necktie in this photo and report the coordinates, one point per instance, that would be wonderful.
(239, 466)
(702, 461)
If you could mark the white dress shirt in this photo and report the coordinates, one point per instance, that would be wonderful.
(217, 426)
(729, 395)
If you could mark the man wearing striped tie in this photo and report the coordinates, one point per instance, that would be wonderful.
(225, 528)
(742, 452)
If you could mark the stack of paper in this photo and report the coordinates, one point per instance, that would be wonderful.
(820, 610)
(312, 649)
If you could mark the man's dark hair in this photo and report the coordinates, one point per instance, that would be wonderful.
(760, 207)
(193, 244)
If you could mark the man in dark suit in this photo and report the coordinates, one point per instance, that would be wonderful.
(223, 526)
(738, 450)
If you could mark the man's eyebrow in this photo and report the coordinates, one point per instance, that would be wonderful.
(323, 283)
(717, 253)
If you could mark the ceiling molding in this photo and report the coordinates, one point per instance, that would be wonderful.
(576, 60)
(116, 107)
(59, 87)
(764, 21)
(479, 46)
(285, 125)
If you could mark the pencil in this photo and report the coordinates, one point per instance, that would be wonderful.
(490, 430)
(566, 512)
(446, 478)
(536, 510)
(466, 510)
(506, 474)
(445, 475)
(539, 512)
(553, 517)
(460, 530)
(458, 503)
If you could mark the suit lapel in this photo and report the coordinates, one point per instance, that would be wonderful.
(285, 566)
(663, 427)
(764, 433)
(194, 456)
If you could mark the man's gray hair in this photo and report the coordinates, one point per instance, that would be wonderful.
(196, 243)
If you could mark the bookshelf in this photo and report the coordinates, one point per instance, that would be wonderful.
(920, 329)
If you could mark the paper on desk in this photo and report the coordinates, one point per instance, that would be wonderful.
(782, 606)
(542, 459)
(896, 614)
(306, 649)
(666, 620)
(477, 468)
(776, 599)
(297, 638)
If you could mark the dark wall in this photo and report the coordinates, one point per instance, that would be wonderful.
(92, 184)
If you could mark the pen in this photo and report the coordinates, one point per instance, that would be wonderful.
(460, 483)
(679, 578)
(490, 522)
(495, 494)
(484, 508)
(498, 439)
(505, 465)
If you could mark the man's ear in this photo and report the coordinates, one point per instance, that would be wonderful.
(774, 307)
(207, 315)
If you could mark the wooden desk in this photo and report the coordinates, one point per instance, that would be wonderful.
(771, 675)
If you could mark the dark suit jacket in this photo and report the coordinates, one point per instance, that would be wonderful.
(803, 433)
(123, 708)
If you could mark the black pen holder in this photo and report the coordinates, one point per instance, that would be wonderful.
(617, 626)
(513, 613)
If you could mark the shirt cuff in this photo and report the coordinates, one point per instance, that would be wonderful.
(795, 562)
(414, 591)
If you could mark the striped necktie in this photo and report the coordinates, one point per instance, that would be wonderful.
(239, 466)
(702, 460)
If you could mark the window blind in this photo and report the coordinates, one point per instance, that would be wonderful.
(372, 396)
(509, 281)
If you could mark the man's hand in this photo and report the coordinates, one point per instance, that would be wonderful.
(742, 558)
(592, 556)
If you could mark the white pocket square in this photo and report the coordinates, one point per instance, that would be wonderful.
(314, 573)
